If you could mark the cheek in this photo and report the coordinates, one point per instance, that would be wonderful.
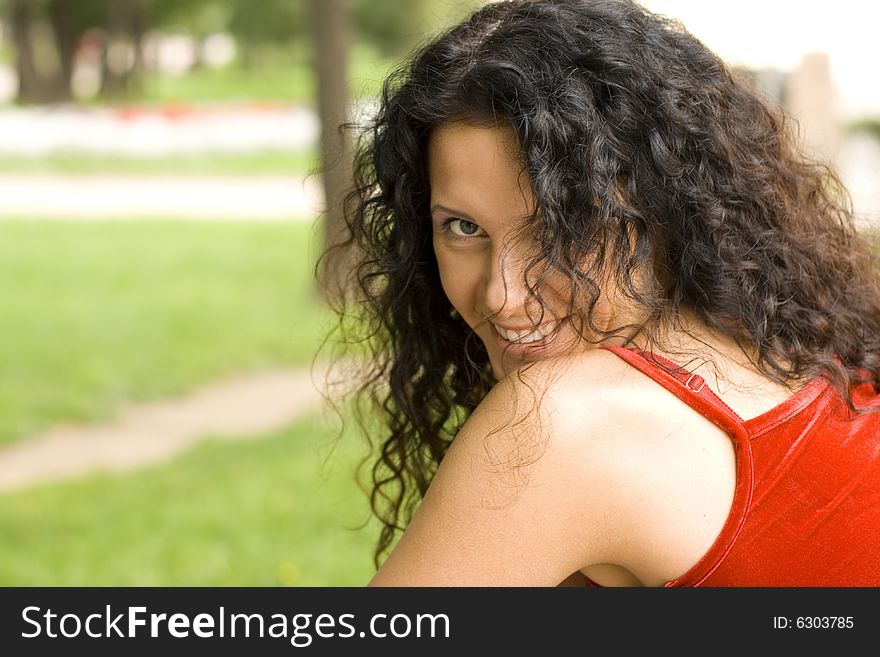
(455, 292)
(556, 293)
(457, 284)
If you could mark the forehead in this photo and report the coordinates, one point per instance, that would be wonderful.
(478, 169)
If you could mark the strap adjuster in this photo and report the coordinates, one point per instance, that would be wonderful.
(691, 378)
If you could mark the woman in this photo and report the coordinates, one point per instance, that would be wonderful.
(621, 331)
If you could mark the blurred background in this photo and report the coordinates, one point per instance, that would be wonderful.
(161, 210)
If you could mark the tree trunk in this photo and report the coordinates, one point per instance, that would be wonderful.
(140, 22)
(30, 87)
(114, 80)
(332, 38)
(47, 84)
(65, 29)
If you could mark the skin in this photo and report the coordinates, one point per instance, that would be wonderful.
(478, 194)
(610, 476)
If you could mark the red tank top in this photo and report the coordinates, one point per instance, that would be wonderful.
(806, 507)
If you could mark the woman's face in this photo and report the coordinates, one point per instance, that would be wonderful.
(478, 198)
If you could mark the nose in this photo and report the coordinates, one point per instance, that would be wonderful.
(506, 295)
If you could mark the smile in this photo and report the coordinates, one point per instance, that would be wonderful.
(529, 343)
(528, 336)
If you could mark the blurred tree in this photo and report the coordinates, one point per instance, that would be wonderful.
(395, 27)
(392, 28)
(31, 86)
(44, 34)
(65, 26)
(276, 26)
(122, 67)
(196, 18)
(332, 33)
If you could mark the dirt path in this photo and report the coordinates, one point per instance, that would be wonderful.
(145, 434)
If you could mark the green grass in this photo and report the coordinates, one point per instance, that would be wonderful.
(94, 315)
(257, 163)
(869, 126)
(276, 511)
(232, 83)
(273, 80)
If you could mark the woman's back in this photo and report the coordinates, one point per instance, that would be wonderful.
(803, 480)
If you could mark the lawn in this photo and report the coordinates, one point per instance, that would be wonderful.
(199, 163)
(95, 314)
(279, 510)
(276, 79)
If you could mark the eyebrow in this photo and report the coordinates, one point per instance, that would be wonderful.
(443, 208)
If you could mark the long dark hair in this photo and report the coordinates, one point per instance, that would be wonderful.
(642, 148)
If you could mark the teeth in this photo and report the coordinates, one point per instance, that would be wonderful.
(527, 336)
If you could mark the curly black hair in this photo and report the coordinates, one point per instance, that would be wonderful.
(642, 149)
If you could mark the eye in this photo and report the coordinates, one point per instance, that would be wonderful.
(463, 228)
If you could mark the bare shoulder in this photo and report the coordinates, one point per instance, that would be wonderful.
(565, 465)
(592, 400)
(669, 472)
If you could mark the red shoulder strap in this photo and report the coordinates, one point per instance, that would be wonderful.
(689, 387)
